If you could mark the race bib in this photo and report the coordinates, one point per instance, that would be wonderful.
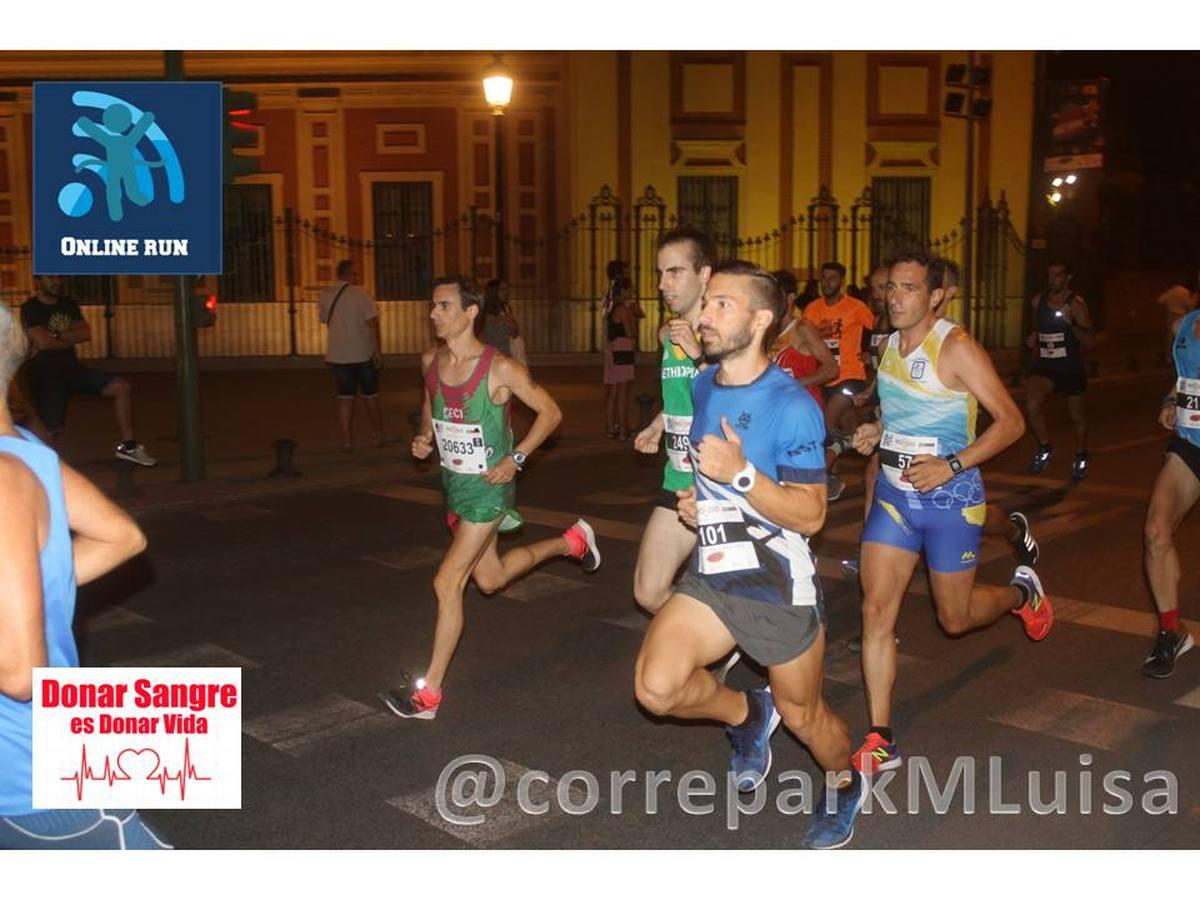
(461, 447)
(1052, 345)
(1187, 402)
(725, 546)
(896, 451)
(676, 430)
(834, 348)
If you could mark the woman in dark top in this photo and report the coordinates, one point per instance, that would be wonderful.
(620, 346)
(499, 326)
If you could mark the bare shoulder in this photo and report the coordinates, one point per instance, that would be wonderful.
(507, 371)
(428, 357)
(18, 484)
(959, 348)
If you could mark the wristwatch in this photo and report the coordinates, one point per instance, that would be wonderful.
(956, 465)
(519, 458)
(743, 481)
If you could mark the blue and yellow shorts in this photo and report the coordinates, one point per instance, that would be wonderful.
(947, 526)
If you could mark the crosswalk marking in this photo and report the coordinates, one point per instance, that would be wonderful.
(408, 558)
(114, 617)
(192, 655)
(1079, 718)
(502, 820)
(300, 730)
(537, 585)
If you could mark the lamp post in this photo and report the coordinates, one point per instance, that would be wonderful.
(497, 90)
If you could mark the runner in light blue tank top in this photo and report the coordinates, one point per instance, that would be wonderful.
(1175, 494)
(21, 826)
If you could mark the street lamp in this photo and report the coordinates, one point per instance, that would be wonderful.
(497, 90)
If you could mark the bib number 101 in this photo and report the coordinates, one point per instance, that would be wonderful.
(711, 535)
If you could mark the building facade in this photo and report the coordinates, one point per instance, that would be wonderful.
(395, 160)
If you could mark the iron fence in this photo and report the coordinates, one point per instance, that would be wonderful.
(276, 267)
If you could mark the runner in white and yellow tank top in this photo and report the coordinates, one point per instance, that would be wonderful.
(929, 494)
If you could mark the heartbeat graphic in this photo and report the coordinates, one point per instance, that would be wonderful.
(112, 772)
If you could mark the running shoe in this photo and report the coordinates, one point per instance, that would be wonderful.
(834, 487)
(582, 542)
(830, 830)
(751, 741)
(876, 755)
(135, 453)
(416, 702)
(1024, 544)
(1037, 615)
(1168, 647)
(733, 659)
(1079, 467)
(850, 568)
(1041, 456)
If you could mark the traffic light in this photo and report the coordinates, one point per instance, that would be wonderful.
(238, 131)
(204, 302)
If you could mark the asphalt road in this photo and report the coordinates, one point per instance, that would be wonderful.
(323, 596)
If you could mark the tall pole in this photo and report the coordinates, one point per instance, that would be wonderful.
(187, 355)
(968, 288)
(499, 191)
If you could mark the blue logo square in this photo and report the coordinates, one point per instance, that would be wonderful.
(127, 177)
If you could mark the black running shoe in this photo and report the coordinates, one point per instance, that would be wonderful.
(1168, 647)
(1079, 467)
(1024, 544)
(1041, 457)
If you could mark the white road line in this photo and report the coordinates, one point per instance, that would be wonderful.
(502, 820)
(192, 655)
(1079, 718)
(303, 729)
(114, 617)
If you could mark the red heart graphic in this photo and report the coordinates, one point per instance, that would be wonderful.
(138, 763)
(715, 557)
(456, 462)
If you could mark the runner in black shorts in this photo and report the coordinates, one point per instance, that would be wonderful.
(756, 445)
(55, 325)
(1062, 330)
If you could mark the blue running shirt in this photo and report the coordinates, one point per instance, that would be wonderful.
(1186, 351)
(739, 551)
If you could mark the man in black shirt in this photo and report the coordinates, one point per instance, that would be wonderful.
(55, 324)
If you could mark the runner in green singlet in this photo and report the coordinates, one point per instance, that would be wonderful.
(468, 386)
(685, 261)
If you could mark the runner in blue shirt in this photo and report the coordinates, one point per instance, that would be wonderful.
(757, 446)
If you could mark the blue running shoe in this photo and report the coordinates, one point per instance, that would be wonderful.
(1041, 456)
(830, 830)
(751, 741)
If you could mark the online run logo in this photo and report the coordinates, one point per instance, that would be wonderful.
(119, 163)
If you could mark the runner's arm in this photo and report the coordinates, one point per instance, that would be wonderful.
(103, 534)
(796, 507)
(1081, 323)
(42, 339)
(965, 365)
(807, 339)
(22, 629)
(511, 374)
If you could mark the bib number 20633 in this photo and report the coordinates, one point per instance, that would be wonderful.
(461, 447)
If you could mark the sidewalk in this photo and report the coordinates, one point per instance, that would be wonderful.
(244, 411)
